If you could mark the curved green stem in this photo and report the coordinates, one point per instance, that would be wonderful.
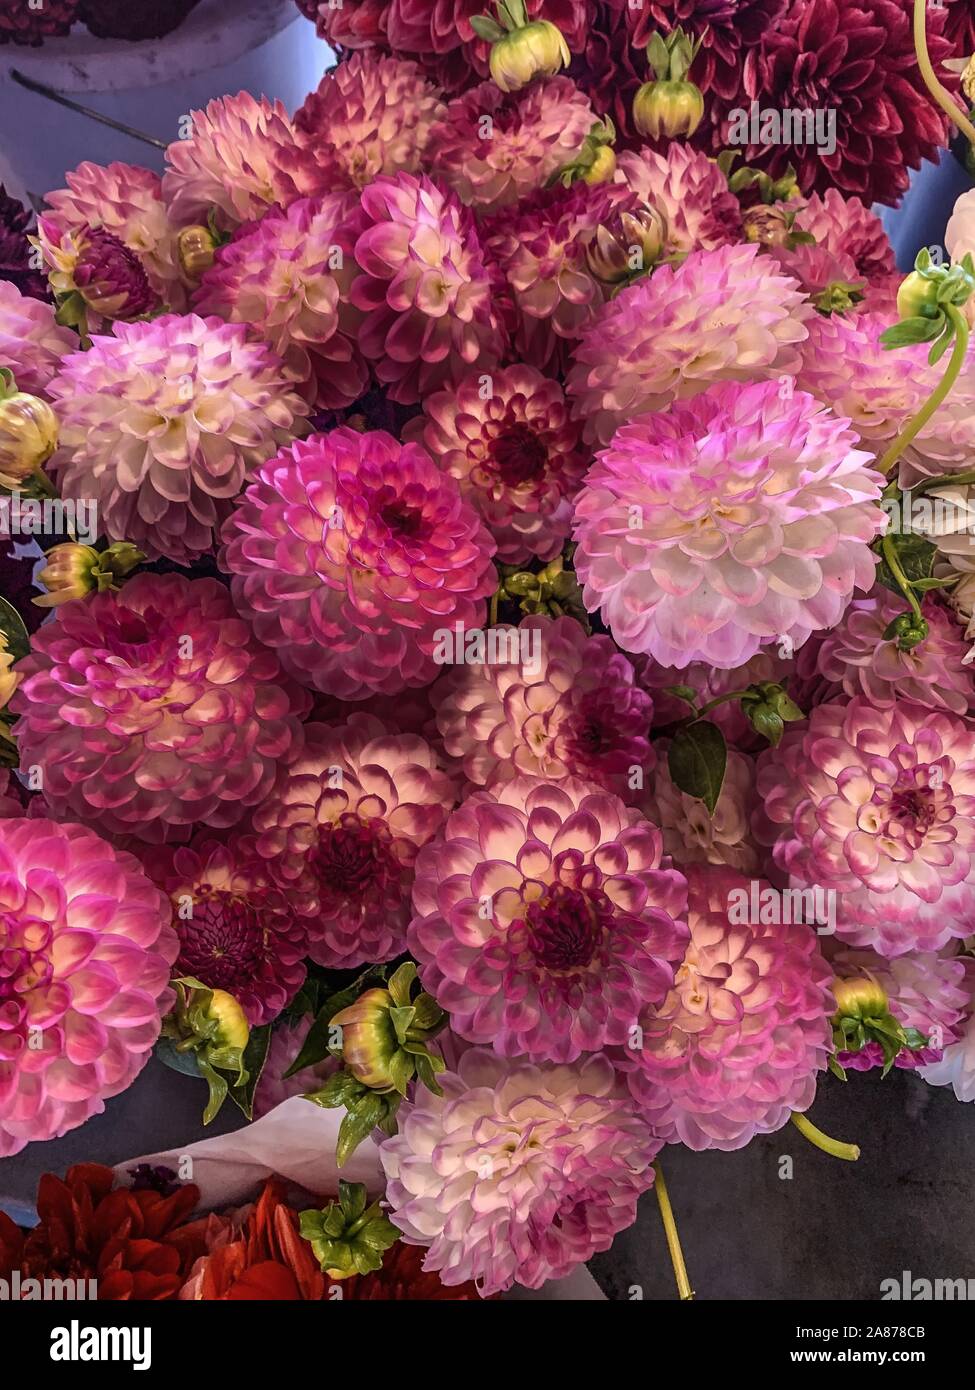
(894, 565)
(944, 480)
(835, 1147)
(720, 700)
(942, 97)
(938, 396)
(684, 1289)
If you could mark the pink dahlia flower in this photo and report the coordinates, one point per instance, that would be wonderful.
(349, 553)
(84, 974)
(540, 248)
(240, 159)
(847, 367)
(927, 992)
(545, 918)
(566, 706)
(274, 1088)
(846, 227)
(31, 342)
(957, 1067)
(879, 805)
(690, 190)
(735, 520)
(708, 683)
(370, 115)
(340, 833)
(517, 1173)
(162, 424)
(947, 442)
(693, 834)
(126, 201)
(424, 290)
(515, 453)
(151, 710)
(722, 315)
(855, 658)
(494, 149)
(288, 277)
(235, 932)
(739, 1041)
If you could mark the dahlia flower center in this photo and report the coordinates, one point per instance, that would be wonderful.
(564, 929)
(125, 633)
(349, 857)
(24, 967)
(223, 943)
(911, 810)
(518, 455)
(403, 520)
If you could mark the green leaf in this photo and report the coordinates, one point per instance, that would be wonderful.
(658, 56)
(315, 1048)
(218, 1090)
(915, 555)
(683, 692)
(486, 28)
(401, 1020)
(916, 330)
(766, 722)
(357, 1125)
(401, 1071)
(341, 1089)
(401, 983)
(697, 758)
(838, 1071)
(429, 1016)
(924, 586)
(426, 1072)
(255, 1055)
(183, 1062)
(352, 1199)
(13, 629)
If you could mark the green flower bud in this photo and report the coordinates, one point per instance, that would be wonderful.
(671, 110)
(348, 1236)
(28, 433)
(533, 50)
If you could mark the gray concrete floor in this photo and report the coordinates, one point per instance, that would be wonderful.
(832, 1231)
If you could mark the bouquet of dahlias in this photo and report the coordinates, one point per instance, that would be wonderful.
(501, 667)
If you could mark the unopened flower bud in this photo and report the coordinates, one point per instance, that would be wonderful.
(385, 1031)
(907, 630)
(917, 297)
(768, 225)
(534, 50)
(9, 678)
(860, 997)
(670, 110)
(632, 243)
(28, 433)
(233, 1029)
(603, 166)
(73, 571)
(110, 278)
(196, 247)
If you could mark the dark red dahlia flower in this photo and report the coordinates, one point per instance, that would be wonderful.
(133, 1243)
(148, 19)
(402, 1277)
(734, 27)
(16, 223)
(960, 27)
(854, 61)
(21, 24)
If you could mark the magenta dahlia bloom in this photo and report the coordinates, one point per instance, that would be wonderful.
(163, 423)
(829, 278)
(126, 201)
(424, 290)
(546, 916)
(288, 277)
(739, 1041)
(236, 932)
(517, 1173)
(274, 1088)
(349, 554)
(694, 835)
(855, 58)
(690, 190)
(722, 315)
(928, 992)
(879, 805)
(540, 248)
(241, 159)
(855, 658)
(515, 453)
(736, 520)
(847, 367)
(494, 149)
(369, 116)
(846, 227)
(152, 710)
(340, 832)
(31, 342)
(566, 706)
(85, 951)
(97, 265)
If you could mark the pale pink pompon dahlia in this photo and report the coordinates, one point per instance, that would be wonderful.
(31, 342)
(349, 553)
(151, 710)
(739, 1041)
(288, 277)
(370, 115)
(162, 424)
(732, 521)
(425, 291)
(508, 440)
(340, 831)
(85, 952)
(546, 917)
(726, 314)
(557, 704)
(877, 805)
(240, 158)
(517, 1173)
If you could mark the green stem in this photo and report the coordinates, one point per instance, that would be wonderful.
(493, 610)
(894, 565)
(947, 480)
(720, 700)
(684, 1289)
(942, 97)
(849, 1152)
(44, 483)
(937, 398)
